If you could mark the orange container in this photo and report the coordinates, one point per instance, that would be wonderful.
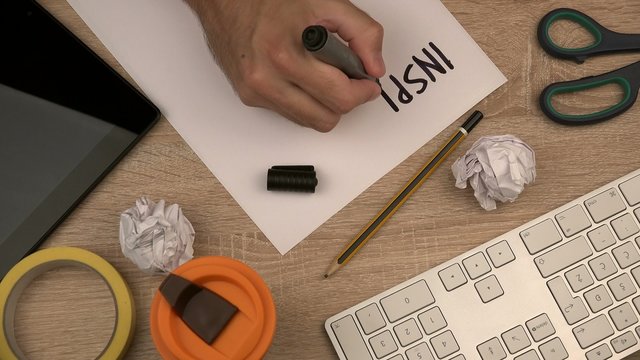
(247, 335)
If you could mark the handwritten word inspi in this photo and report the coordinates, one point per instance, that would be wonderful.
(426, 67)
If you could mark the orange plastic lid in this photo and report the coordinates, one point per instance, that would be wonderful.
(247, 335)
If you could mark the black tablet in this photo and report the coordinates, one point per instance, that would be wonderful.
(66, 119)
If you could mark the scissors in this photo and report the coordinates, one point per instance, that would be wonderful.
(606, 41)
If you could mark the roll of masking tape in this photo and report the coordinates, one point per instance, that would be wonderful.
(42, 261)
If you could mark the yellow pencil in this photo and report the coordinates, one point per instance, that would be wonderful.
(374, 225)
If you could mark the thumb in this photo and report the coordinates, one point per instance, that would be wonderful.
(357, 28)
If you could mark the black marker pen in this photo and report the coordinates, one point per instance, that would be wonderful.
(327, 48)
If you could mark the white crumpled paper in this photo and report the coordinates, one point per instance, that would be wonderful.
(155, 238)
(497, 168)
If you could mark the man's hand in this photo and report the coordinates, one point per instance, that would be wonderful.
(258, 44)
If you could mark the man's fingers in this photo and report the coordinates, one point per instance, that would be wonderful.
(328, 85)
(363, 33)
(295, 104)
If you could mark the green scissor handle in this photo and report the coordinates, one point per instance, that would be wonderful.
(627, 77)
(606, 41)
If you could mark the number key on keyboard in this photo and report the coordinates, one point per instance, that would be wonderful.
(406, 301)
(407, 332)
(419, 352)
(432, 320)
(444, 344)
(383, 344)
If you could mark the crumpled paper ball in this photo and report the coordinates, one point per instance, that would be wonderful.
(156, 238)
(497, 168)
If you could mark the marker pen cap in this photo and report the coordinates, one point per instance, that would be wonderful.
(247, 335)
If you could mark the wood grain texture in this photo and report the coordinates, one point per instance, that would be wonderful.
(68, 314)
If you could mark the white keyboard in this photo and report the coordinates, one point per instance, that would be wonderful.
(563, 286)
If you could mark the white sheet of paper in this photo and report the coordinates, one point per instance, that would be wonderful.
(161, 45)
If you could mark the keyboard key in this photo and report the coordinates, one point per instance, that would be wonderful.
(579, 278)
(540, 236)
(351, 342)
(432, 320)
(491, 350)
(623, 316)
(516, 339)
(370, 318)
(603, 266)
(623, 342)
(601, 237)
(540, 327)
(624, 226)
(598, 298)
(383, 344)
(529, 355)
(553, 350)
(605, 205)
(397, 357)
(407, 332)
(489, 288)
(476, 265)
(452, 277)
(626, 254)
(572, 308)
(444, 344)
(573, 220)
(621, 286)
(563, 256)
(631, 190)
(419, 352)
(602, 352)
(500, 254)
(458, 357)
(593, 331)
(406, 301)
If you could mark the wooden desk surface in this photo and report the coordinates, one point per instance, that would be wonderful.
(67, 313)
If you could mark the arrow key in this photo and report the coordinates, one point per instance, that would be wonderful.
(516, 339)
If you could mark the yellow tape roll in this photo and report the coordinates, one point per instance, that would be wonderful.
(41, 261)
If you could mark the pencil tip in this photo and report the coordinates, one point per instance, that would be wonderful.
(326, 276)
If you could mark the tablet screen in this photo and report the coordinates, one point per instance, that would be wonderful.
(66, 118)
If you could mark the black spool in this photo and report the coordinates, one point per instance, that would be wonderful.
(298, 178)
